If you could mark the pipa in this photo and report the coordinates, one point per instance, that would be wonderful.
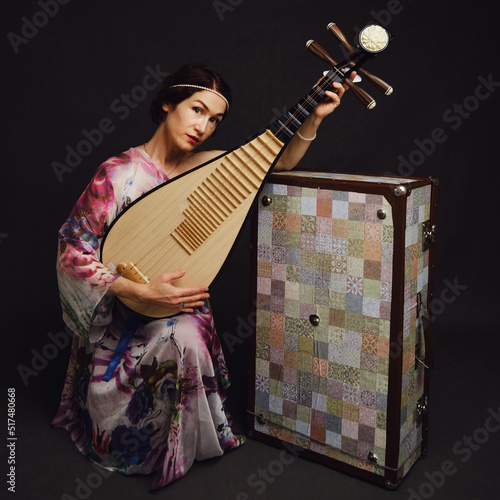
(192, 221)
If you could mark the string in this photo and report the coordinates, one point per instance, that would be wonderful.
(311, 97)
(315, 93)
(318, 90)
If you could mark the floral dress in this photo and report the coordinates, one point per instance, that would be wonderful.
(161, 407)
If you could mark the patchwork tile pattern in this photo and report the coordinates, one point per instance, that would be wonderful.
(326, 253)
(416, 281)
(324, 387)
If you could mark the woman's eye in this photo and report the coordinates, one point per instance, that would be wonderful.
(197, 110)
(215, 121)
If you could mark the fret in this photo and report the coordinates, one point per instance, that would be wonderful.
(310, 102)
(303, 111)
(279, 128)
(238, 175)
(292, 116)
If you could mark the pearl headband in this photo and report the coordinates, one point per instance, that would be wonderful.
(203, 88)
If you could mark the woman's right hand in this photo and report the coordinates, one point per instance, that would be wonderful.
(161, 292)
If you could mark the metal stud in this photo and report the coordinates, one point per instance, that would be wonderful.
(400, 191)
(266, 200)
(314, 320)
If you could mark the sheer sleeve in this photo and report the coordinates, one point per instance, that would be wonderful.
(83, 280)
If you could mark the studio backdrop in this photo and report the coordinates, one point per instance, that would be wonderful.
(77, 80)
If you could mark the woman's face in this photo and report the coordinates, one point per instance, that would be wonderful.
(192, 121)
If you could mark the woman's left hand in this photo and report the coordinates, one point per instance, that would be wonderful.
(332, 101)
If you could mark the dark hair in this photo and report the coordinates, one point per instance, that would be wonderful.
(192, 73)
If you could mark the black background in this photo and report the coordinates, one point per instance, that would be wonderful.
(67, 74)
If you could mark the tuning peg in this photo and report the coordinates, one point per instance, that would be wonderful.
(374, 80)
(339, 35)
(320, 52)
(377, 82)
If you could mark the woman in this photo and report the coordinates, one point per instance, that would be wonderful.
(160, 405)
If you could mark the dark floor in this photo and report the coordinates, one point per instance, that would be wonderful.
(463, 459)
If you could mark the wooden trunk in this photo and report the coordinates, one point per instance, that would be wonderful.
(339, 364)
